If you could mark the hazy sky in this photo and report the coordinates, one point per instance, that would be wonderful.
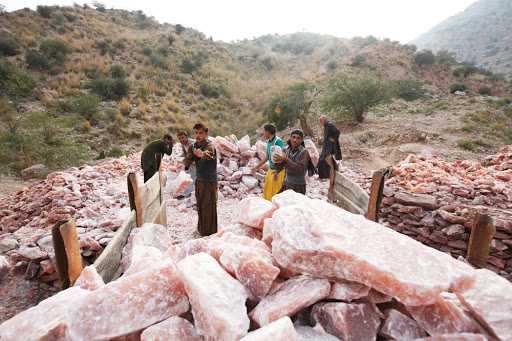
(228, 20)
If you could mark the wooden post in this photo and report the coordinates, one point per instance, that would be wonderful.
(480, 239)
(67, 252)
(161, 176)
(376, 190)
(135, 200)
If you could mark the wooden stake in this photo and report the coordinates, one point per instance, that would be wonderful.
(480, 239)
(135, 200)
(376, 190)
(161, 175)
(67, 252)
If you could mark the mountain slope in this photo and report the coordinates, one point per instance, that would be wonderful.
(481, 34)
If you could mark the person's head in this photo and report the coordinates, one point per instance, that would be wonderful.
(183, 137)
(296, 138)
(168, 139)
(323, 119)
(200, 132)
(269, 131)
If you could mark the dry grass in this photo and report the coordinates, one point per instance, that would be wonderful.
(124, 106)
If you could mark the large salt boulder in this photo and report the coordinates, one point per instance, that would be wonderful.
(179, 185)
(280, 330)
(217, 299)
(292, 296)
(398, 326)
(89, 279)
(173, 329)
(252, 211)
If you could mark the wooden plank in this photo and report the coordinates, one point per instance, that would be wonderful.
(150, 191)
(375, 200)
(482, 232)
(67, 252)
(135, 199)
(351, 191)
(347, 204)
(161, 217)
(109, 261)
(152, 210)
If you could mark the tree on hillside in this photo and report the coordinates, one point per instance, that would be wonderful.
(353, 96)
(424, 58)
(291, 105)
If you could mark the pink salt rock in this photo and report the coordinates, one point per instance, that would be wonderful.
(46, 321)
(314, 237)
(398, 326)
(377, 297)
(253, 210)
(4, 267)
(490, 302)
(174, 328)
(279, 330)
(144, 258)
(311, 334)
(266, 236)
(251, 266)
(445, 316)
(128, 304)
(154, 235)
(240, 230)
(294, 295)
(288, 198)
(217, 299)
(89, 279)
(456, 337)
(348, 321)
(348, 291)
(179, 185)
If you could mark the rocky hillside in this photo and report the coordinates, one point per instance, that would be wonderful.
(81, 83)
(481, 34)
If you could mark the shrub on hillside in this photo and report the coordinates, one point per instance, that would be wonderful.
(147, 51)
(409, 90)
(424, 58)
(287, 107)
(445, 57)
(14, 82)
(87, 106)
(332, 65)
(36, 61)
(103, 46)
(180, 28)
(45, 11)
(458, 87)
(189, 65)
(158, 61)
(485, 91)
(354, 96)
(109, 88)
(51, 55)
(213, 91)
(8, 46)
(117, 71)
(358, 60)
(465, 70)
(99, 6)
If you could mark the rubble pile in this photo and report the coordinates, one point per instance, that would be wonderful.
(320, 273)
(95, 196)
(435, 202)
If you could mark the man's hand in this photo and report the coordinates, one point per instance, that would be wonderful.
(253, 170)
(198, 153)
(279, 158)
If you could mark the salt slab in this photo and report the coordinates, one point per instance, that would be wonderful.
(280, 330)
(398, 326)
(347, 291)
(445, 316)
(144, 258)
(241, 230)
(292, 296)
(217, 299)
(46, 321)
(174, 328)
(314, 237)
(348, 321)
(311, 334)
(142, 299)
(252, 211)
(179, 185)
(89, 279)
(490, 302)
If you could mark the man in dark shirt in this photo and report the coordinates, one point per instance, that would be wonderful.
(331, 150)
(295, 162)
(203, 154)
(148, 159)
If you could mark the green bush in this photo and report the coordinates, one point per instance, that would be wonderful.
(147, 51)
(458, 87)
(424, 58)
(117, 71)
(485, 91)
(87, 106)
(8, 46)
(465, 70)
(332, 65)
(99, 6)
(158, 61)
(109, 88)
(45, 11)
(14, 82)
(189, 66)
(354, 96)
(180, 28)
(51, 55)
(285, 108)
(104, 46)
(358, 60)
(36, 60)
(213, 91)
(115, 151)
(409, 90)
(471, 145)
(445, 57)
(164, 51)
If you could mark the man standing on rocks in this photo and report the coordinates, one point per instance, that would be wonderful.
(331, 150)
(274, 178)
(295, 162)
(186, 144)
(203, 154)
(148, 161)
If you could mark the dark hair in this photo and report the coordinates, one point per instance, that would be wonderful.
(168, 137)
(270, 128)
(182, 133)
(200, 126)
(297, 132)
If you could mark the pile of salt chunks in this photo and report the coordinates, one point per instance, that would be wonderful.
(295, 268)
